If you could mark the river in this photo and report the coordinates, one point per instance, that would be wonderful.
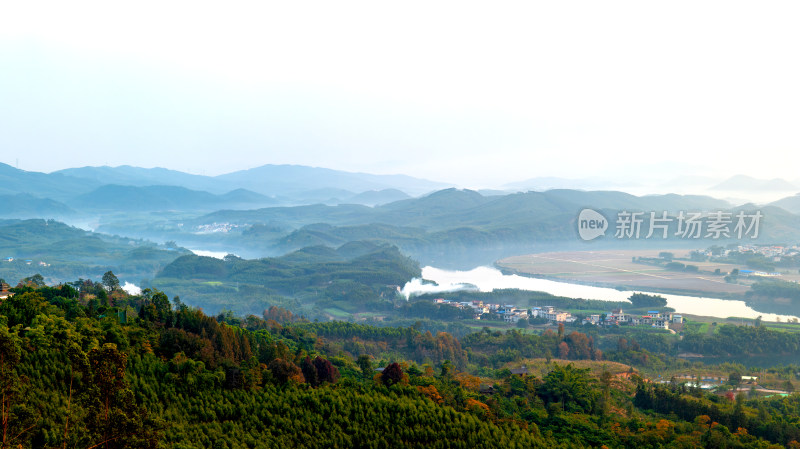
(486, 279)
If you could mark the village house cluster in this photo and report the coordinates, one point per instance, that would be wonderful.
(217, 227)
(508, 312)
(511, 314)
(653, 318)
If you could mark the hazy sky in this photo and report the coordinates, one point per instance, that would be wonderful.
(473, 93)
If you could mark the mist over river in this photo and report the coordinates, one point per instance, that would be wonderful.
(487, 279)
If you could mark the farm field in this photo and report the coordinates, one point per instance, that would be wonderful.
(616, 268)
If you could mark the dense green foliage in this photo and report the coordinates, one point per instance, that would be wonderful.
(86, 364)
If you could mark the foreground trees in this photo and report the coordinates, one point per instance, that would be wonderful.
(74, 372)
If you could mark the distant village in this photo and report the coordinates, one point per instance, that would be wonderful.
(27, 261)
(772, 253)
(511, 314)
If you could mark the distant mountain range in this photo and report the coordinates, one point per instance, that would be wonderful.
(129, 188)
(269, 180)
(126, 175)
(451, 226)
(288, 198)
(450, 208)
(293, 179)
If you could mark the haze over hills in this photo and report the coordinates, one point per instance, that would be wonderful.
(451, 226)
(126, 175)
(744, 183)
(24, 205)
(113, 197)
(56, 186)
(298, 206)
(790, 203)
(378, 197)
(292, 179)
(270, 180)
(269, 184)
(295, 184)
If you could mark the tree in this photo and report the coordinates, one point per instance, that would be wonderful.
(365, 363)
(156, 307)
(309, 371)
(110, 281)
(9, 380)
(569, 386)
(645, 300)
(35, 281)
(392, 374)
(735, 378)
(113, 419)
(319, 371)
(22, 308)
(563, 350)
(284, 371)
(326, 372)
(108, 378)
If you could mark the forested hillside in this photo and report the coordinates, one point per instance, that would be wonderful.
(60, 252)
(356, 277)
(91, 366)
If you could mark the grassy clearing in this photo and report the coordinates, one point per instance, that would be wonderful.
(337, 313)
(539, 367)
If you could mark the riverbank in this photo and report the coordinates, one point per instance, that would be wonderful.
(487, 279)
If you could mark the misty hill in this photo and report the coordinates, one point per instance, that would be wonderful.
(454, 223)
(452, 207)
(790, 203)
(56, 186)
(431, 208)
(358, 276)
(743, 183)
(294, 184)
(127, 175)
(328, 235)
(326, 195)
(23, 205)
(377, 197)
(60, 252)
(157, 198)
(293, 179)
